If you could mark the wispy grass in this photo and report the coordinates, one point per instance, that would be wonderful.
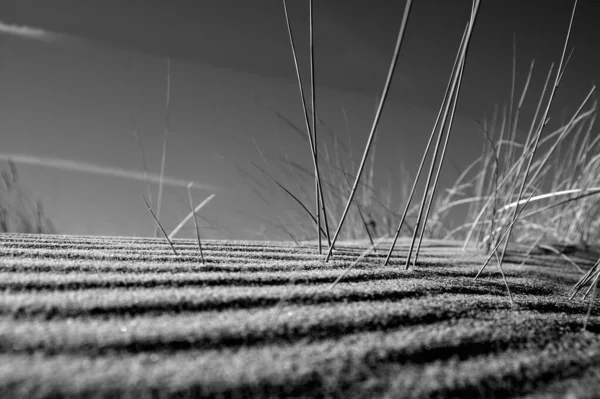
(159, 225)
(19, 212)
(194, 211)
(455, 90)
(375, 122)
(191, 215)
(165, 141)
(320, 202)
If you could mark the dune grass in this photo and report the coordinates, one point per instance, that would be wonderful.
(496, 192)
(259, 319)
(19, 212)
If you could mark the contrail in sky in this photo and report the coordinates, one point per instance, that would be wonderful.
(26, 32)
(77, 166)
(41, 35)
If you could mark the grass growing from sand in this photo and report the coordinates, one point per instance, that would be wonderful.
(171, 317)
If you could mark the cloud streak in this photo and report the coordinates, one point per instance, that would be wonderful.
(78, 166)
(41, 35)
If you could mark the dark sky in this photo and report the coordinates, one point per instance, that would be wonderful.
(67, 96)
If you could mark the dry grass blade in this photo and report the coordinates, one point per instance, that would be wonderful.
(196, 220)
(512, 97)
(259, 151)
(537, 138)
(592, 286)
(308, 127)
(496, 172)
(515, 125)
(159, 225)
(375, 123)
(586, 191)
(440, 165)
(360, 212)
(562, 255)
(516, 168)
(589, 311)
(566, 131)
(502, 238)
(365, 253)
(494, 252)
(583, 281)
(138, 140)
(314, 125)
(424, 157)
(165, 141)
(529, 251)
(291, 195)
(453, 97)
(189, 216)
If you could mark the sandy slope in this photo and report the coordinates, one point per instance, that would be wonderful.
(124, 317)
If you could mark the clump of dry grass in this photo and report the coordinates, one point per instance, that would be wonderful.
(19, 213)
(564, 164)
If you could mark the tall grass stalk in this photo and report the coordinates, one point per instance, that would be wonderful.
(319, 191)
(547, 110)
(138, 140)
(165, 141)
(589, 311)
(160, 225)
(560, 139)
(515, 168)
(440, 165)
(453, 97)
(375, 123)
(424, 157)
(318, 203)
(288, 192)
(189, 190)
(361, 257)
(494, 251)
(362, 218)
(192, 214)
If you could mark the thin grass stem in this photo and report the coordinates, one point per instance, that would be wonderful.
(159, 225)
(375, 123)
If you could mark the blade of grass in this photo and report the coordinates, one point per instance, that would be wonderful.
(424, 157)
(165, 141)
(314, 122)
(306, 119)
(138, 140)
(562, 255)
(454, 93)
(589, 311)
(516, 167)
(503, 237)
(545, 116)
(375, 123)
(365, 253)
(566, 130)
(512, 97)
(440, 165)
(360, 212)
(196, 220)
(585, 279)
(189, 216)
(159, 225)
(290, 194)
(499, 261)
(588, 191)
